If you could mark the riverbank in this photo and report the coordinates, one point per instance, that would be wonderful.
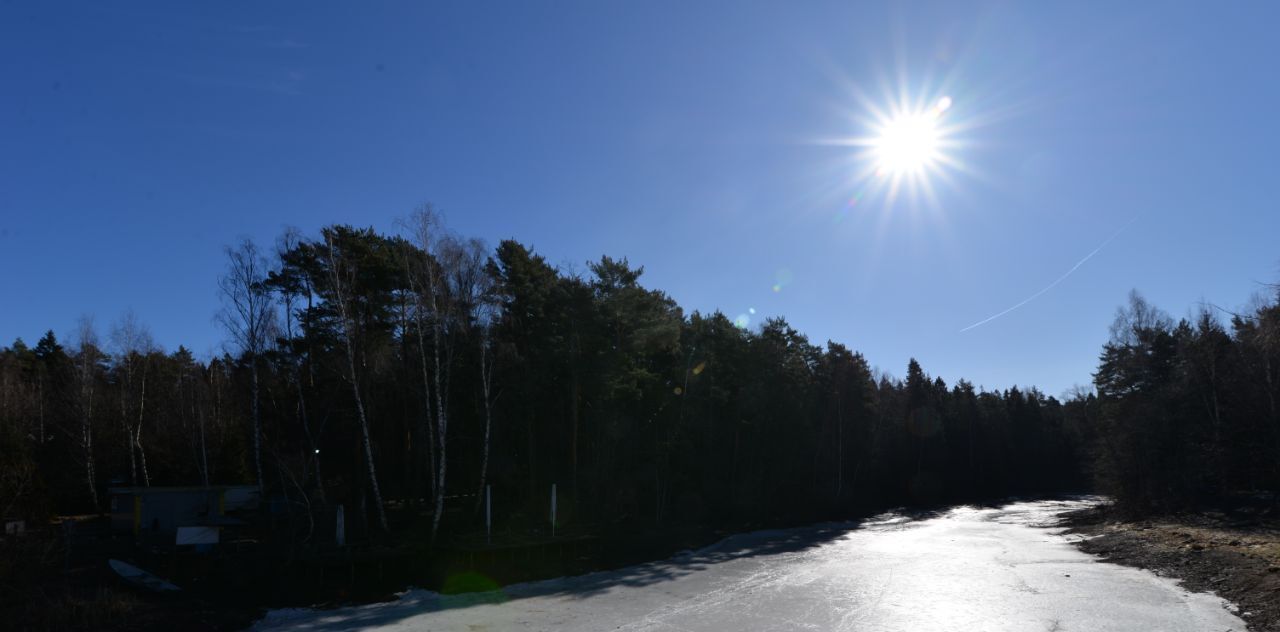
(993, 568)
(229, 592)
(1234, 554)
(55, 589)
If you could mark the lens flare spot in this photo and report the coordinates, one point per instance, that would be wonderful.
(742, 321)
(470, 588)
(848, 208)
(702, 366)
(782, 278)
(679, 391)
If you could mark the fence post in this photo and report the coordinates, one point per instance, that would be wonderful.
(340, 535)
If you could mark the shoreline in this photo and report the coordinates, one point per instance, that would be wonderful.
(860, 556)
(1236, 558)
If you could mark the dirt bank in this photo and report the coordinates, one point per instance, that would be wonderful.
(1234, 556)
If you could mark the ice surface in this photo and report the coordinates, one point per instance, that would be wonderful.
(964, 569)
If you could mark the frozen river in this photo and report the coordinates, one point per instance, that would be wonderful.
(964, 569)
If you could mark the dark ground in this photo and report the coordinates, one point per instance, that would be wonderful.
(1233, 553)
(42, 587)
(48, 584)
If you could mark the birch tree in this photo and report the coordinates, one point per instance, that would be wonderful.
(247, 315)
(134, 345)
(88, 366)
(293, 284)
(419, 278)
(428, 281)
(487, 315)
(342, 275)
(474, 310)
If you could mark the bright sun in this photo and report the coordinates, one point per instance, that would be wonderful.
(909, 147)
(908, 143)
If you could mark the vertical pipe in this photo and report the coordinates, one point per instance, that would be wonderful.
(553, 510)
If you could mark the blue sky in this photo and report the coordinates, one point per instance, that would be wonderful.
(136, 140)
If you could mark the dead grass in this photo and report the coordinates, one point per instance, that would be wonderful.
(1238, 560)
(104, 608)
(1258, 542)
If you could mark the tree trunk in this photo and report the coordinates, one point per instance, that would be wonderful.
(426, 427)
(574, 395)
(311, 382)
(347, 326)
(257, 420)
(442, 427)
(204, 452)
(486, 385)
(311, 440)
(137, 435)
(364, 430)
(86, 433)
(1272, 409)
(216, 406)
(87, 441)
(128, 427)
(40, 399)
(86, 425)
(839, 448)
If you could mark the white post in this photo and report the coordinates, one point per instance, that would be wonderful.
(488, 518)
(553, 510)
(341, 534)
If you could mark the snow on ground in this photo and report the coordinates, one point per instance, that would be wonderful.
(964, 569)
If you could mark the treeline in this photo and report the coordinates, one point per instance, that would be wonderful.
(1188, 411)
(399, 374)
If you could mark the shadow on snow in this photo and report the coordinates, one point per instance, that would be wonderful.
(753, 544)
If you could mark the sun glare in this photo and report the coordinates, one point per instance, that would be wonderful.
(909, 147)
(908, 143)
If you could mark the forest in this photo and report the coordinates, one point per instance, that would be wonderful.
(1186, 411)
(401, 374)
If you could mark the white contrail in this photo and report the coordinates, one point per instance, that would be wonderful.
(1056, 281)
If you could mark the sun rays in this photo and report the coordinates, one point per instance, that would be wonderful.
(906, 147)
